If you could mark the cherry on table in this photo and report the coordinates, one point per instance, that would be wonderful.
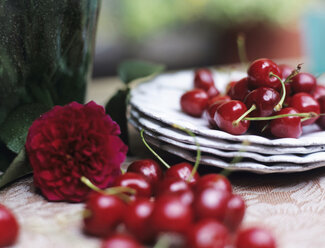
(318, 91)
(229, 112)
(303, 82)
(194, 102)
(120, 240)
(265, 99)
(135, 181)
(213, 180)
(9, 227)
(259, 74)
(137, 219)
(203, 79)
(149, 168)
(255, 237)
(183, 171)
(103, 214)
(304, 103)
(170, 214)
(207, 233)
(286, 127)
(239, 90)
(235, 212)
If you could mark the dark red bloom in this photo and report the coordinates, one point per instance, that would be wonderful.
(73, 141)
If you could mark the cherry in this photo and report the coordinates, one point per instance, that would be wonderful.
(105, 213)
(216, 181)
(171, 215)
(304, 103)
(303, 82)
(207, 233)
(265, 99)
(228, 113)
(9, 227)
(286, 70)
(229, 86)
(259, 74)
(286, 127)
(239, 90)
(137, 217)
(255, 238)
(321, 120)
(214, 103)
(212, 92)
(211, 203)
(235, 212)
(194, 102)
(183, 171)
(119, 240)
(318, 91)
(135, 181)
(203, 79)
(149, 168)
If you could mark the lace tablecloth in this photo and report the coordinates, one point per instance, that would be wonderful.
(292, 206)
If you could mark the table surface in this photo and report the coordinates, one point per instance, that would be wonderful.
(292, 206)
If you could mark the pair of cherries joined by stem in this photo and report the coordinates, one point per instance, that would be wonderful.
(269, 92)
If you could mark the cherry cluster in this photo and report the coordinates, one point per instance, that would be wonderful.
(201, 210)
(9, 227)
(272, 99)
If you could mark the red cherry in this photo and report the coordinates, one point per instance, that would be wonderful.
(321, 119)
(239, 90)
(286, 127)
(255, 238)
(212, 91)
(137, 217)
(213, 105)
(194, 102)
(265, 99)
(229, 86)
(213, 180)
(171, 215)
(182, 171)
(105, 213)
(305, 103)
(318, 91)
(135, 181)
(303, 82)
(9, 227)
(259, 74)
(286, 70)
(207, 233)
(120, 241)
(203, 79)
(211, 203)
(229, 112)
(235, 212)
(149, 168)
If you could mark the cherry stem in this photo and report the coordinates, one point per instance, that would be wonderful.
(305, 115)
(198, 150)
(242, 117)
(241, 48)
(278, 107)
(152, 151)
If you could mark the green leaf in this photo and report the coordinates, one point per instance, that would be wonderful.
(131, 70)
(18, 168)
(14, 129)
(116, 108)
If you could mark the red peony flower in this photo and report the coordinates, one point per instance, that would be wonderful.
(73, 141)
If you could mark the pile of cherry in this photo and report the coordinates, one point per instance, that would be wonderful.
(273, 99)
(201, 211)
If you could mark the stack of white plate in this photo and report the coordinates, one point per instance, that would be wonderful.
(155, 108)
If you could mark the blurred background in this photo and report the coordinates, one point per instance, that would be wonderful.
(194, 33)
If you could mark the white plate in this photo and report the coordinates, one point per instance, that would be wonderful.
(159, 99)
(282, 158)
(169, 132)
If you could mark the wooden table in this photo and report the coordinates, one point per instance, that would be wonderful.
(292, 206)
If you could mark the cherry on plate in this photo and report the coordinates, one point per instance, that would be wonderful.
(194, 102)
(120, 240)
(286, 70)
(318, 91)
(183, 171)
(103, 214)
(213, 180)
(213, 105)
(9, 227)
(321, 119)
(203, 79)
(255, 237)
(239, 90)
(303, 82)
